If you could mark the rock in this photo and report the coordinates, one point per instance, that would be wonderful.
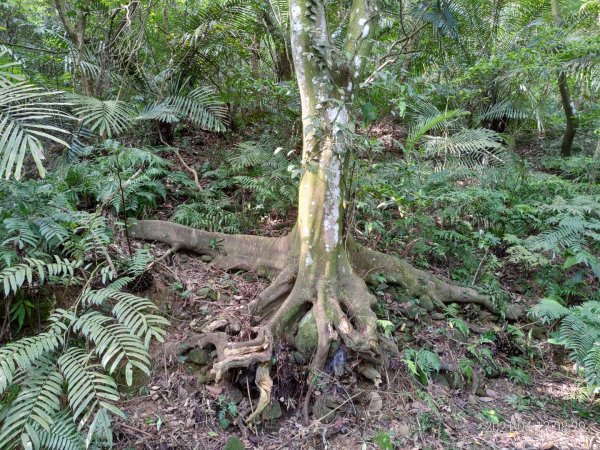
(373, 402)
(199, 356)
(234, 443)
(415, 312)
(206, 258)
(403, 430)
(207, 293)
(272, 411)
(234, 328)
(184, 347)
(324, 409)
(306, 338)
(234, 394)
(371, 373)
(426, 303)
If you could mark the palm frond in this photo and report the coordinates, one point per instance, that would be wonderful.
(26, 117)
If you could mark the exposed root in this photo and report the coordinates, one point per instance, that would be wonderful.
(336, 291)
(263, 255)
(238, 354)
(265, 385)
(275, 294)
(419, 283)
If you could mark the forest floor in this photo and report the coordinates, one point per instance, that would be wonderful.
(538, 406)
(173, 409)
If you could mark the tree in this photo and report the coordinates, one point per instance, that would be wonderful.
(318, 267)
(565, 95)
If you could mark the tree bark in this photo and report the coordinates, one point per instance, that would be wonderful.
(572, 122)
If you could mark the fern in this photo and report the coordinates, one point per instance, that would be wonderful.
(24, 353)
(88, 389)
(26, 119)
(63, 434)
(200, 107)
(579, 332)
(13, 278)
(548, 310)
(35, 406)
(106, 117)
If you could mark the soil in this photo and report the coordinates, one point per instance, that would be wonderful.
(174, 409)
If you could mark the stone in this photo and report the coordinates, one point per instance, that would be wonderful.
(403, 430)
(199, 356)
(234, 443)
(184, 347)
(426, 303)
(373, 402)
(234, 328)
(306, 338)
(207, 293)
(272, 411)
(415, 312)
(326, 408)
(234, 394)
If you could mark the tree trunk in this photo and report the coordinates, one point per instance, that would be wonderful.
(318, 267)
(565, 96)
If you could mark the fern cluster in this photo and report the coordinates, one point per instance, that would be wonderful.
(579, 332)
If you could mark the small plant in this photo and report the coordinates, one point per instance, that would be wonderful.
(492, 416)
(383, 440)
(227, 411)
(422, 363)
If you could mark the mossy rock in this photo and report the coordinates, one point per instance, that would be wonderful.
(207, 293)
(306, 338)
(272, 411)
(199, 356)
(234, 443)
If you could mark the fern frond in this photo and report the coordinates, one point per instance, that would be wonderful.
(88, 390)
(114, 343)
(25, 121)
(24, 353)
(35, 406)
(106, 117)
(63, 434)
(428, 123)
(548, 310)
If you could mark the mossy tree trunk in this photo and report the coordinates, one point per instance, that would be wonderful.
(318, 267)
(572, 122)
